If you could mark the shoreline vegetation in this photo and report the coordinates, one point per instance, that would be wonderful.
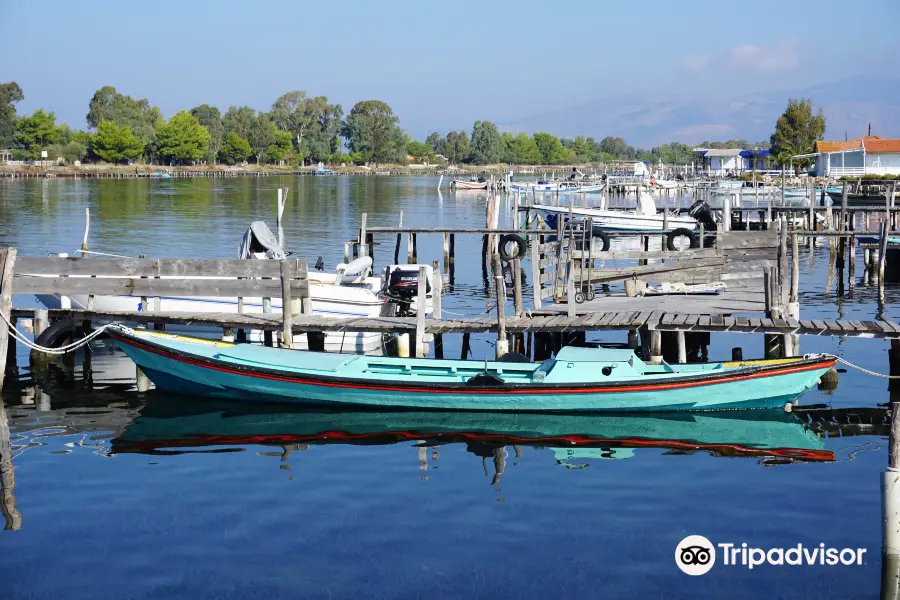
(300, 130)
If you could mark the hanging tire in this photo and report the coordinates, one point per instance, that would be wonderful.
(681, 232)
(597, 233)
(518, 250)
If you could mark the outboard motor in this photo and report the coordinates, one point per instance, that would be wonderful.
(401, 286)
(700, 210)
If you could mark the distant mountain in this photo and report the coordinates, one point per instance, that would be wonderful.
(850, 105)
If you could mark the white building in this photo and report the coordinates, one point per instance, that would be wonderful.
(720, 161)
(868, 155)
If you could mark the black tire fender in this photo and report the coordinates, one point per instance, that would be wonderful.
(597, 233)
(516, 239)
(676, 233)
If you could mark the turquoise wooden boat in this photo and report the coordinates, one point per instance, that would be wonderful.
(169, 423)
(577, 380)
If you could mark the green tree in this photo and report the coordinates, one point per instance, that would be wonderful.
(261, 136)
(70, 151)
(616, 147)
(437, 143)
(314, 122)
(138, 115)
(796, 132)
(581, 148)
(235, 149)
(457, 146)
(371, 129)
(182, 140)
(10, 93)
(418, 150)
(115, 143)
(520, 149)
(36, 132)
(551, 149)
(239, 119)
(282, 148)
(485, 145)
(211, 118)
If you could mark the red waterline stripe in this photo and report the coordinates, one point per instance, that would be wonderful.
(491, 392)
(200, 440)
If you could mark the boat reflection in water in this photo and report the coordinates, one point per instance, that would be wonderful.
(168, 424)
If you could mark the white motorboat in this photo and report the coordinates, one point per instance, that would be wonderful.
(351, 291)
(644, 218)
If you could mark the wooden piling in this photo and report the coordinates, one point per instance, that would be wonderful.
(500, 297)
(364, 249)
(682, 347)
(655, 347)
(436, 285)
(446, 252)
(536, 270)
(7, 263)
(516, 268)
(288, 272)
(410, 252)
(267, 309)
(794, 300)
(142, 382)
(420, 312)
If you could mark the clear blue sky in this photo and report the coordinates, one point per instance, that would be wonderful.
(440, 65)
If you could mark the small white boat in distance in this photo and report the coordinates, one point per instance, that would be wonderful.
(469, 184)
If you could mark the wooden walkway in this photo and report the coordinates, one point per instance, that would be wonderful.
(594, 321)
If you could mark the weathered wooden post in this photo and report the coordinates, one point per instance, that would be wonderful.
(446, 253)
(267, 334)
(290, 306)
(536, 284)
(682, 347)
(882, 257)
(410, 248)
(783, 184)
(420, 312)
(570, 279)
(655, 347)
(436, 285)
(500, 295)
(397, 245)
(794, 300)
(7, 262)
(363, 247)
(142, 382)
(516, 267)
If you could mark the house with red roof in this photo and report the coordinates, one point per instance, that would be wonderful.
(867, 155)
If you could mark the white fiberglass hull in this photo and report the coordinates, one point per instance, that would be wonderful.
(327, 300)
(616, 220)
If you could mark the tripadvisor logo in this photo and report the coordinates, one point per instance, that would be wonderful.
(696, 555)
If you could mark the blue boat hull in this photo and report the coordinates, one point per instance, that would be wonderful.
(180, 371)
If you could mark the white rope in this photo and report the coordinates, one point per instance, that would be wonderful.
(62, 349)
(866, 371)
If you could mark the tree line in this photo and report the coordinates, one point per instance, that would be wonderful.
(302, 129)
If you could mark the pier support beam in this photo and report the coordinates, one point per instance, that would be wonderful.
(655, 347)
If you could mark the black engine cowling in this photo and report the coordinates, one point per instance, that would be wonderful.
(701, 211)
(403, 285)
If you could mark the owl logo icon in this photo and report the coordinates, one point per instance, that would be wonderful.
(695, 555)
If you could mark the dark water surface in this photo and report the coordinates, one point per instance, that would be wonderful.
(117, 494)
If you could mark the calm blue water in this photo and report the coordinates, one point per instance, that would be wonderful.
(123, 495)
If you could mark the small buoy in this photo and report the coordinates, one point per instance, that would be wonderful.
(829, 381)
(788, 407)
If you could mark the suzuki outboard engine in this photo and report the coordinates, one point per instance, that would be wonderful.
(700, 210)
(401, 286)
